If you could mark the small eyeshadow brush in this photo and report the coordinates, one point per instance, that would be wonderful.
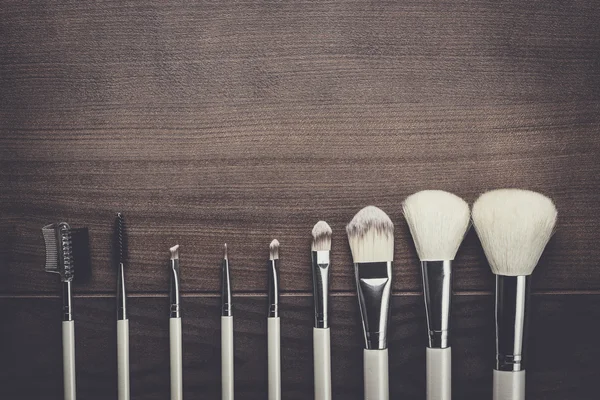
(227, 389)
(175, 328)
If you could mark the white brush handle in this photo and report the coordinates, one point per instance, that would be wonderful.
(176, 359)
(376, 374)
(123, 358)
(274, 358)
(68, 338)
(227, 358)
(509, 385)
(322, 363)
(439, 374)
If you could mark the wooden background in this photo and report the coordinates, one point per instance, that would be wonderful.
(207, 122)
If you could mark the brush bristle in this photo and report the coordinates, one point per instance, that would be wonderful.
(120, 239)
(274, 250)
(174, 252)
(438, 222)
(66, 264)
(514, 227)
(225, 251)
(321, 236)
(371, 236)
(49, 233)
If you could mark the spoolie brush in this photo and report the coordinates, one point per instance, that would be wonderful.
(120, 247)
(371, 238)
(321, 246)
(438, 222)
(514, 227)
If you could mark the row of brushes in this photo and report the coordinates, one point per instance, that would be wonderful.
(513, 226)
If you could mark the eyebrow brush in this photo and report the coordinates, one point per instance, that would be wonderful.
(273, 325)
(122, 321)
(227, 380)
(175, 328)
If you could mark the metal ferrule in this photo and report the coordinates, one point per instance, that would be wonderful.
(174, 312)
(374, 287)
(273, 289)
(67, 313)
(437, 290)
(512, 296)
(320, 271)
(121, 294)
(226, 304)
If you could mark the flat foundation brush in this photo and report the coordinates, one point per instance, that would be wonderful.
(227, 380)
(122, 321)
(371, 238)
(273, 325)
(321, 246)
(438, 222)
(514, 227)
(175, 327)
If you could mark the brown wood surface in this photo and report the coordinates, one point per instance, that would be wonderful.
(211, 122)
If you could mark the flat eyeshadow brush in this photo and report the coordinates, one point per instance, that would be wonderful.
(273, 325)
(321, 246)
(175, 328)
(514, 227)
(227, 380)
(120, 243)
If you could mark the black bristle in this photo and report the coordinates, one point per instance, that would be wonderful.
(80, 239)
(120, 239)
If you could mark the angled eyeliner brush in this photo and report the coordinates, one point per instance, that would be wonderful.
(175, 328)
(226, 331)
(122, 321)
(273, 325)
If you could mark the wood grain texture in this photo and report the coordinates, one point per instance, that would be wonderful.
(559, 368)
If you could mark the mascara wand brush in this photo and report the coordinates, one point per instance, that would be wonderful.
(122, 321)
(227, 377)
(514, 227)
(321, 247)
(175, 328)
(438, 222)
(371, 238)
(273, 325)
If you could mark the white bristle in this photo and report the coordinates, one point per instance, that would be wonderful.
(438, 222)
(321, 236)
(371, 236)
(174, 252)
(514, 227)
(274, 250)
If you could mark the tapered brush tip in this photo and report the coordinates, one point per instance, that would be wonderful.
(274, 250)
(514, 227)
(321, 236)
(438, 221)
(174, 252)
(371, 236)
(225, 251)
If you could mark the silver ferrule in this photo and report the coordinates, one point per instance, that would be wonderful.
(320, 272)
(121, 294)
(226, 304)
(512, 296)
(374, 287)
(437, 290)
(174, 311)
(273, 289)
(67, 313)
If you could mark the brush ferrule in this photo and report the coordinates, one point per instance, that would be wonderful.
(273, 289)
(121, 294)
(437, 291)
(226, 303)
(174, 295)
(320, 272)
(67, 313)
(512, 296)
(374, 287)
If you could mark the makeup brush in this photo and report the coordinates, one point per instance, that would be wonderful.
(63, 259)
(175, 328)
(371, 238)
(514, 227)
(122, 321)
(321, 246)
(438, 222)
(226, 331)
(273, 325)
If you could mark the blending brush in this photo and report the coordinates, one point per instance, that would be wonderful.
(371, 238)
(438, 222)
(321, 246)
(62, 258)
(175, 328)
(122, 321)
(227, 380)
(514, 227)
(273, 325)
